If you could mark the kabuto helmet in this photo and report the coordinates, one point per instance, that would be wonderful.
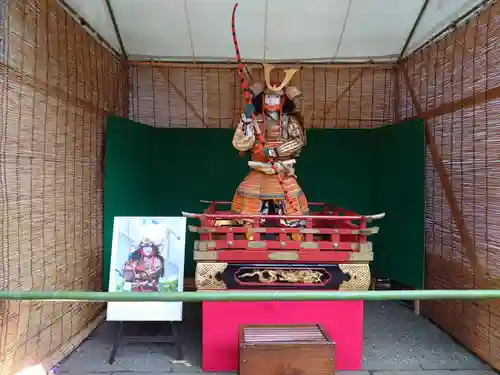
(290, 95)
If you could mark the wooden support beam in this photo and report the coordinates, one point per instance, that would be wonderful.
(333, 104)
(466, 238)
(55, 92)
(182, 95)
(233, 65)
(126, 99)
(396, 94)
(476, 98)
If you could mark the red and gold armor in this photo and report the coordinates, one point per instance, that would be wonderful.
(272, 179)
(144, 267)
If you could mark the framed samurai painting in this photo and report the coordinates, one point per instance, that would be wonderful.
(147, 255)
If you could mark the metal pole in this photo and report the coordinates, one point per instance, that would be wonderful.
(250, 295)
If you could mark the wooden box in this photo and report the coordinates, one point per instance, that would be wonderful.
(285, 350)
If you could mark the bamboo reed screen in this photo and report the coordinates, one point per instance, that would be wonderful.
(57, 86)
(182, 96)
(457, 83)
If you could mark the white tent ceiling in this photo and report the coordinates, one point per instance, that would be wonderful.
(270, 30)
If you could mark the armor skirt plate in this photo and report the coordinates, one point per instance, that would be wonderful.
(258, 187)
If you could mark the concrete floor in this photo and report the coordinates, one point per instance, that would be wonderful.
(396, 342)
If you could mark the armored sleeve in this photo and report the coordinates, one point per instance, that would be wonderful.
(244, 137)
(156, 270)
(296, 139)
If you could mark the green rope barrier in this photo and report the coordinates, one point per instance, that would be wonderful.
(250, 295)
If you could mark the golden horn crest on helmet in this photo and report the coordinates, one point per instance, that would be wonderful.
(289, 73)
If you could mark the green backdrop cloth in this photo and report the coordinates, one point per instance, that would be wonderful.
(152, 171)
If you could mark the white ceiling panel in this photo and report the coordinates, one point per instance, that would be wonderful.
(153, 28)
(299, 31)
(438, 14)
(210, 23)
(269, 30)
(383, 27)
(96, 14)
